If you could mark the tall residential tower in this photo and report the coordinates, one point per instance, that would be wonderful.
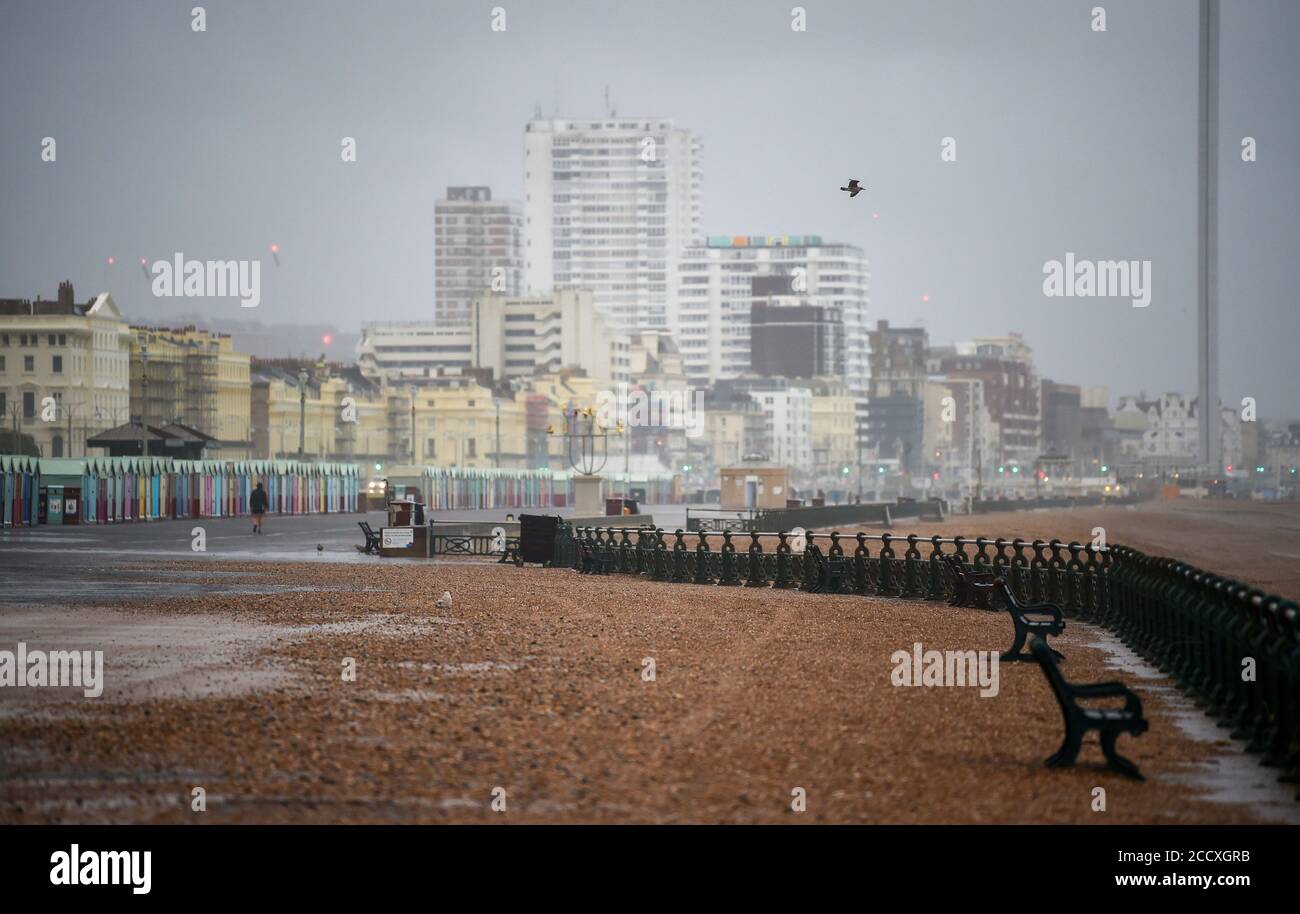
(610, 205)
(478, 248)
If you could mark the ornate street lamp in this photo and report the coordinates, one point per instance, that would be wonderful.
(587, 448)
(587, 441)
(302, 410)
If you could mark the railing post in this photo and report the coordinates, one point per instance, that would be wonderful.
(886, 585)
(783, 580)
(911, 569)
(934, 587)
(660, 556)
(861, 580)
(702, 574)
(756, 577)
(727, 560)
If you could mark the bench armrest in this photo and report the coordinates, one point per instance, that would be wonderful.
(1101, 690)
(1047, 609)
(1111, 690)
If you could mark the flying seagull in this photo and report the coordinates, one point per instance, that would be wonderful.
(853, 188)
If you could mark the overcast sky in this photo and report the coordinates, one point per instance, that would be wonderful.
(220, 143)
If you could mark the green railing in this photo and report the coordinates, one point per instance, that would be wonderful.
(1234, 649)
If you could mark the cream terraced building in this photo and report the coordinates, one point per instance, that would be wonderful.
(194, 377)
(77, 354)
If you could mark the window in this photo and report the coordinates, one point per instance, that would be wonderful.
(51, 339)
(57, 364)
(2, 367)
(4, 407)
(63, 339)
(471, 450)
(29, 363)
(29, 404)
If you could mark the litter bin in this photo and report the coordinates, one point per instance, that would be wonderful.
(537, 534)
(400, 512)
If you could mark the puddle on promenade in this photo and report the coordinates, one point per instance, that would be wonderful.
(1233, 775)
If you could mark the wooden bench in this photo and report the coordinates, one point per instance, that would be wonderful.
(970, 588)
(831, 571)
(594, 559)
(1108, 722)
(510, 555)
(372, 539)
(1050, 621)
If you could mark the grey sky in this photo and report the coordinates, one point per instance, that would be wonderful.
(220, 143)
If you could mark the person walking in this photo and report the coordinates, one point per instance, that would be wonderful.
(257, 505)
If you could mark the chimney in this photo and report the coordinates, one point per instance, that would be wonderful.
(65, 294)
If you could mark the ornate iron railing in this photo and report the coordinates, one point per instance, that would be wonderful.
(1234, 649)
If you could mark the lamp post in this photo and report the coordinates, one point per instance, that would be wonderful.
(144, 400)
(413, 391)
(625, 429)
(302, 410)
(626, 432)
(496, 453)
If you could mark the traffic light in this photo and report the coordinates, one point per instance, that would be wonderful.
(1105, 468)
(379, 466)
(845, 471)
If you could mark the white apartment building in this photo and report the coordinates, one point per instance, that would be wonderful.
(478, 247)
(711, 317)
(514, 336)
(77, 354)
(610, 205)
(789, 413)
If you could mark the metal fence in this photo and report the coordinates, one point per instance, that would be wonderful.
(745, 521)
(1234, 649)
